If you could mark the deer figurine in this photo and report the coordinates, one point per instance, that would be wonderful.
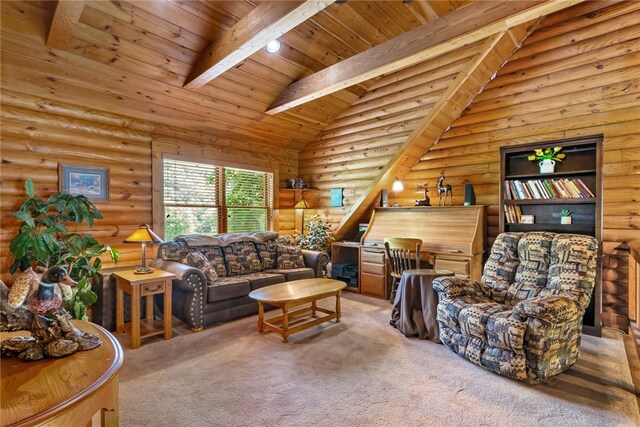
(444, 189)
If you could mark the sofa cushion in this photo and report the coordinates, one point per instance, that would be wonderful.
(500, 269)
(294, 273)
(531, 275)
(173, 251)
(260, 280)
(506, 332)
(289, 257)
(214, 255)
(449, 309)
(473, 318)
(268, 254)
(200, 261)
(242, 258)
(228, 287)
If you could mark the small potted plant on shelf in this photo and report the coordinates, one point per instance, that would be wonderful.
(565, 216)
(547, 158)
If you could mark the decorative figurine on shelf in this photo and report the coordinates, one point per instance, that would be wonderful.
(34, 304)
(426, 201)
(298, 183)
(547, 157)
(444, 189)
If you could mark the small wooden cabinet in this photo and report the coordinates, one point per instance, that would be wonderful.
(373, 272)
(346, 253)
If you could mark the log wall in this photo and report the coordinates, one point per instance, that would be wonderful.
(577, 75)
(39, 133)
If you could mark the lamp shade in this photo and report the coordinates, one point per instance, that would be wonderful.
(397, 185)
(143, 235)
(302, 204)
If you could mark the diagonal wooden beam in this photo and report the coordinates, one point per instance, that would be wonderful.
(468, 24)
(467, 84)
(267, 22)
(65, 17)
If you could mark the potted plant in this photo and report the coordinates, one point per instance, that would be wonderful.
(318, 237)
(565, 216)
(547, 158)
(43, 238)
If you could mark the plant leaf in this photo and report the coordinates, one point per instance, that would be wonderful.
(28, 187)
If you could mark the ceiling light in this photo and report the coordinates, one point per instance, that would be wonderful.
(273, 46)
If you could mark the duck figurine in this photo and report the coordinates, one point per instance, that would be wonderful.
(48, 296)
(40, 289)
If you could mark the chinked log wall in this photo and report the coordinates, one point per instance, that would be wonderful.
(38, 134)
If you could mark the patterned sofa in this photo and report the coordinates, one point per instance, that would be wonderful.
(524, 319)
(214, 274)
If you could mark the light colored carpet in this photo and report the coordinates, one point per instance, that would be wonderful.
(359, 372)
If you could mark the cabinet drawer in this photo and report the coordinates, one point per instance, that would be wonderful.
(374, 285)
(458, 266)
(152, 288)
(368, 267)
(373, 256)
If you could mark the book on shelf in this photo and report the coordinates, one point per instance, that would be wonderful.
(539, 189)
(513, 214)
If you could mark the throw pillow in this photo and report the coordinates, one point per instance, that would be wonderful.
(199, 261)
(289, 257)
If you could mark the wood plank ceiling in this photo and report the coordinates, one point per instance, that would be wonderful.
(133, 58)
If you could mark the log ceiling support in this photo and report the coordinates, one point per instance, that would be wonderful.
(466, 25)
(266, 22)
(65, 17)
(467, 84)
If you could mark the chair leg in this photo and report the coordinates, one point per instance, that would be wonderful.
(394, 288)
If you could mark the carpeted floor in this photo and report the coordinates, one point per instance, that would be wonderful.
(356, 373)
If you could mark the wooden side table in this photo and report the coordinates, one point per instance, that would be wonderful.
(63, 392)
(143, 285)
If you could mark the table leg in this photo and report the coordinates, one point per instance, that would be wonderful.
(260, 317)
(135, 316)
(338, 312)
(313, 308)
(119, 307)
(285, 323)
(167, 310)
(109, 418)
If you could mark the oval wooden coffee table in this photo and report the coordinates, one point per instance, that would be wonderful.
(292, 294)
(66, 391)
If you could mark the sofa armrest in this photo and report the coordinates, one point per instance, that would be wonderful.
(182, 272)
(451, 287)
(550, 308)
(317, 261)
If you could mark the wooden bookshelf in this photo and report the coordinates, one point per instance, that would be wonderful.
(583, 161)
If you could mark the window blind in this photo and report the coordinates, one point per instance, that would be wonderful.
(208, 199)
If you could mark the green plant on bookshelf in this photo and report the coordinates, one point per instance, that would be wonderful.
(565, 216)
(547, 154)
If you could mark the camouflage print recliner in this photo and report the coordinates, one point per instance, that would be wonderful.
(524, 319)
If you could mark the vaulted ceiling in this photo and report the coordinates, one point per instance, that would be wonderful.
(134, 57)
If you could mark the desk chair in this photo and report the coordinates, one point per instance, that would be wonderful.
(400, 253)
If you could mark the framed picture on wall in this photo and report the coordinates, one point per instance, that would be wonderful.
(91, 182)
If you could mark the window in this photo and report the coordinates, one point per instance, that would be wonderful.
(209, 199)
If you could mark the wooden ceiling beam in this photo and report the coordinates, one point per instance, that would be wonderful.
(468, 83)
(469, 24)
(65, 17)
(266, 22)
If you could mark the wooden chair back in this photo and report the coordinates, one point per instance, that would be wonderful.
(400, 252)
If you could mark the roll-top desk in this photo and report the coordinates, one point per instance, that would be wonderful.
(454, 234)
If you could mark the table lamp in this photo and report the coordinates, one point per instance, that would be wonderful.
(397, 187)
(143, 235)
